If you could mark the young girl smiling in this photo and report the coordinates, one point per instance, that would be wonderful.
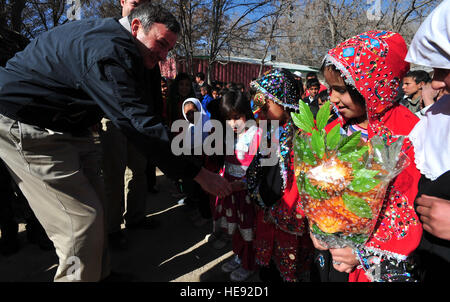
(364, 75)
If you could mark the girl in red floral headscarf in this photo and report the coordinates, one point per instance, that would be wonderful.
(364, 74)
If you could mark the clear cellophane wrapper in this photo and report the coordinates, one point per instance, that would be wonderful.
(342, 181)
(343, 191)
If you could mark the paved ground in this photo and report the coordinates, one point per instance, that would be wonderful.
(176, 251)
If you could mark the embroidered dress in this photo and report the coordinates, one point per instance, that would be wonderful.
(281, 229)
(235, 214)
(373, 63)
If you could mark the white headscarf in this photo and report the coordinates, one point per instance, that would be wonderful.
(431, 140)
(431, 135)
(431, 44)
(200, 130)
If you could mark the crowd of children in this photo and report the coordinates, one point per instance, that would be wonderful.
(264, 219)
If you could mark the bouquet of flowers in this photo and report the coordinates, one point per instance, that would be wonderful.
(342, 180)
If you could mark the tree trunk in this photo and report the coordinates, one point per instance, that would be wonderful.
(16, 15)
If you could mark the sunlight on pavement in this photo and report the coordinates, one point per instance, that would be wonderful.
(165, 210)
(198, 272)
(194, 247)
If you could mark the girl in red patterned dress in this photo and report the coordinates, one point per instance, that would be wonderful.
(364, 74)
(235, 213)
(282, 244)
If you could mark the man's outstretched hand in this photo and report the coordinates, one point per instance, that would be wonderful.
(435, 215)
(213, 183)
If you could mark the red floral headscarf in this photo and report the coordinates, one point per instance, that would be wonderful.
(372, 62)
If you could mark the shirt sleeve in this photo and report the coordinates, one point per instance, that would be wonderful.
(123, 97)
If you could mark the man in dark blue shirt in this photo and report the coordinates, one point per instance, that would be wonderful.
(58, 87)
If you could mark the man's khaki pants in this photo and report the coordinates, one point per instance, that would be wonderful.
(60, 176)
(124, 169)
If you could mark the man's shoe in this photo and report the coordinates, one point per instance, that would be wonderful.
(118, 240)
(147, 223)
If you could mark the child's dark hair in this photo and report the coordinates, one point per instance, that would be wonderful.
(235, 102)
(200, 75)
(419, 76)
(354, 93)
(187, 103)
(323, 95)
(312, 82)
(207, 88)
(311, 74)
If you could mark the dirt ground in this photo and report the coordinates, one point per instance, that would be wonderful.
(176, 251)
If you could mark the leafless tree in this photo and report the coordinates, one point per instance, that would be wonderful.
(102, 8)
(230, 22)
(271, 28)
(40, 15)
(322, 24)
(191, 17)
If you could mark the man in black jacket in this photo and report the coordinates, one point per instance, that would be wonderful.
(58, 87)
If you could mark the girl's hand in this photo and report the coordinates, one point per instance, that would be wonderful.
(344, 260)
(238, 185)
(317, 243)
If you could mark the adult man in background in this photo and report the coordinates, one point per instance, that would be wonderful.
(129, 5)
(48, 106)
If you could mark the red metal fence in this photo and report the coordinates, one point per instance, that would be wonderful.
(237, 72)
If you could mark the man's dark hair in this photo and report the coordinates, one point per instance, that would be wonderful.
(149, 13)
(200, 75)
(312, 82)
(419, 76)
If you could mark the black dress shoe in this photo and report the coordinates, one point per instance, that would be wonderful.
(146, 224)
(118, 240)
